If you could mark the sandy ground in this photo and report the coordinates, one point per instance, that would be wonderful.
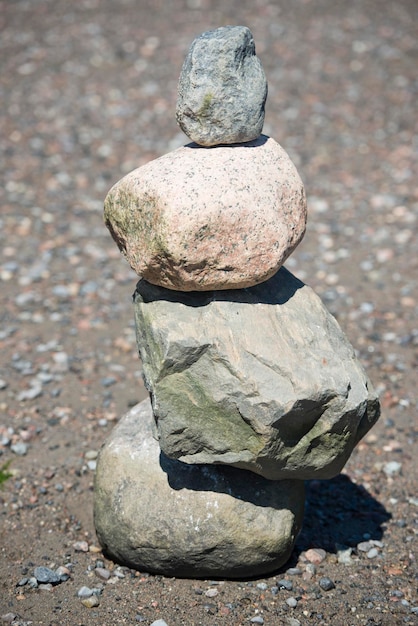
(88, 92)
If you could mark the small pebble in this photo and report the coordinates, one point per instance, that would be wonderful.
(285, 584)
(94, 549)
(108, 381)
(159, 622)
(46, 575)
(292, 602)
(19, 448)
(211, 593)
(294, 571)
(315, 555)
(81, 546)
(91, 455)
(326, 583)
(119, 573)
(8, 618)
(102, 572)
(310, 571)
(262, 586)
(30, 394)
(344, 556)
(85, 592)
(113, 580)
(257, 620)
(61, 362)
(372, 553)
(292, 621)
(392, 468)
(63, 572)
(91, 601)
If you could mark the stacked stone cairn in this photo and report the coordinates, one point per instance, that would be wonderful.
(253, 386)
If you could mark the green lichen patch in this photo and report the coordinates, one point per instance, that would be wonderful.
(207, 103)
(135, 223)
(210, 425)
(4, 473)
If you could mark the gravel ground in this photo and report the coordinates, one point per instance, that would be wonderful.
(88, 92)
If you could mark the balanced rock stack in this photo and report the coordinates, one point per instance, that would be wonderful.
(253, 386)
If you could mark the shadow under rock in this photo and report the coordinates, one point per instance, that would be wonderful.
(339, 514)
(254, 143)
(276, 290)
(240, 484)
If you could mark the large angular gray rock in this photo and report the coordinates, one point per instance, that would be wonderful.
(159, 515)
(198, 219)
(222, 88)
(260, 378)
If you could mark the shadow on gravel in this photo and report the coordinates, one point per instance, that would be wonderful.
(339, 514)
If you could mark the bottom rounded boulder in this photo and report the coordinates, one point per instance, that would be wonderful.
(163, 516)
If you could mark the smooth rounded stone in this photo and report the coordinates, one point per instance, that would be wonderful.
(162, 516)
(222, 88)
(263, 378)
(197, 219)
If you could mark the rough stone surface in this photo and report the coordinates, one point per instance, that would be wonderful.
(222, 88)
(261, 378)
(163, 516)
(198, 219)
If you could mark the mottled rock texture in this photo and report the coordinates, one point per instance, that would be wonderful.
(222, 88)
(260, 378)
(164, 516)
(199, 219)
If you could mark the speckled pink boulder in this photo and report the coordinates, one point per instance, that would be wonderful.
(209, 218)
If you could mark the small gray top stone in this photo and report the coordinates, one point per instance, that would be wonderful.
(222, 88)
